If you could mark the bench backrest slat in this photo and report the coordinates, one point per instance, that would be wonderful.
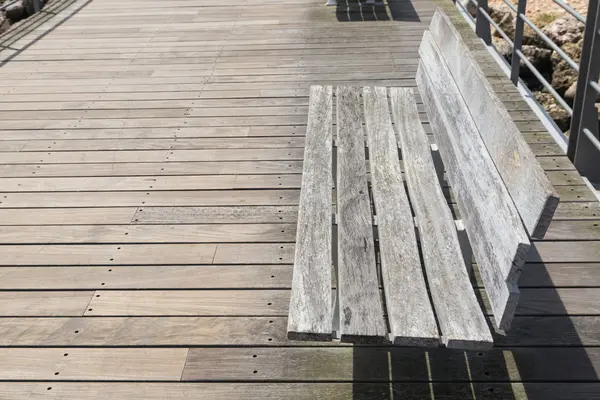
(461, 320)
(409, 310)
(361, 309)
(495, 230)
(531, 190)
(310, 314)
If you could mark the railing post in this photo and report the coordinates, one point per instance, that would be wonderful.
(581, 151)
(515, 62)
(482, 25)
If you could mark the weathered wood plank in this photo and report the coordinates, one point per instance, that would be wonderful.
(178, 233)
(495, 230)
(150, 254)
(391, 363)
(361, 311)
(146, 277)
(311, 313)
(93, 364)
(461, 321)
(146, 183)
(525, 180)
(143, 168)
(189, 302)
(216, 215)
(189, 198)
(409, 310)
(66, 216)
(299, 391)
(44, 303)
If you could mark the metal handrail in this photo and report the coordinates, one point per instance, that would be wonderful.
(585, 153)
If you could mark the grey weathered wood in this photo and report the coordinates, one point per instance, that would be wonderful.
(531, 190)
(409, 310)
(310, 315)
(361, 311)
(461, 320)
(497, 235)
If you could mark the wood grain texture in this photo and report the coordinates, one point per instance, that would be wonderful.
(525, 180)
(146, 277)
(298, 391)
(203, 233)
(389, 363)
(216, 215)
(311, 312)
(189, 302)
(361, 311)
(409, 310)
(495, 230)
(461, 321)
(93, 364)
(44, 303)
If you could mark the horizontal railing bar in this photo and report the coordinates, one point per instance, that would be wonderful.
(495, 25)
(570, 10)
(593, 139)
(467, 13)
(545, 83)
(550, 43)
(511, 6)
(595, 86)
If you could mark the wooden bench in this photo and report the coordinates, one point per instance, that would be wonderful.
(376, 264)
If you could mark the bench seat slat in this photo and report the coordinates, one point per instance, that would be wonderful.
(310, 313)
(361, 310)
(461, 320)
(531, 190)
(495, 230)
(409, 310)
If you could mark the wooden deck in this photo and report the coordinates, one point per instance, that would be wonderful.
(151, 157)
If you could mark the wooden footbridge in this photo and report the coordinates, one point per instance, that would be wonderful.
(151, 158)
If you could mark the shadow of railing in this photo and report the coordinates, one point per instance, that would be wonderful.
(393, 10)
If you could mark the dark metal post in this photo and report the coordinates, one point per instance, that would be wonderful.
(37, 5)
(482, 25)
(581, 150)
(515, 62)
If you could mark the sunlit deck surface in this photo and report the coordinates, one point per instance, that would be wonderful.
(151, 156)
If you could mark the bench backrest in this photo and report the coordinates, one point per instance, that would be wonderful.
(527, 183)
(496, 232)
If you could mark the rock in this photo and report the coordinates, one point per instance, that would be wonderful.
(507, 20)
(570, 93)
(16, 12)
(563, 76)
(556, 112)
(564, 30)
(539, 57)
(4, 23)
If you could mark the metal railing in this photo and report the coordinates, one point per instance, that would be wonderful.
(583, 142)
